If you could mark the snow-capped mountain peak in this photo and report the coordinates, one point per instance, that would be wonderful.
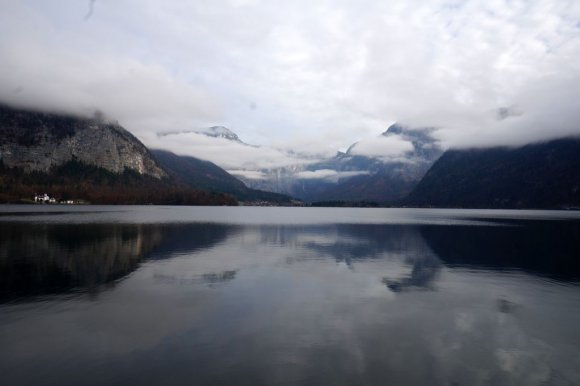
(225, 133)
(220, 132)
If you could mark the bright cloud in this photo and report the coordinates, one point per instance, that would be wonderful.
(313, 76)
(249, 174)
(385, 147)
(225, 153)
(327, 174)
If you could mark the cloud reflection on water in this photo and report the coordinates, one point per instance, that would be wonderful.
(289, 304)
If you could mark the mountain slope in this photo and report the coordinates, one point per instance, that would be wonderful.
(84, 159)
(205, 175)
(382, 186)
(75, 180)
(388, 180)
(543, 175)
(38, 141)
(354, 176)
(380, 179)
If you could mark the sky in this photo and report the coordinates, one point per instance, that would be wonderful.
(301, 79)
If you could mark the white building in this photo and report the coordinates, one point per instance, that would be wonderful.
(44, 198)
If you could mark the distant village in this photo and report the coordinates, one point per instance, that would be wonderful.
(46, 199)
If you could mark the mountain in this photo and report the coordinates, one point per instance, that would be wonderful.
(220, 132)
(541, 175)
(101, 162)
(352, 176)
(84, 159)
(385, 180)
(214, 132)
(39, 141)
(80, 182)
(205, 175)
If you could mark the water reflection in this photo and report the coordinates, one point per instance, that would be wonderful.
(39, 259)
(195, 303)
(547, 248)
(47, 259)
(43, 259)
(352, 244)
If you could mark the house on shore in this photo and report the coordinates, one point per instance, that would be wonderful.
(44, 199)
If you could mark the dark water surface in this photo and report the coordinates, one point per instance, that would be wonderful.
(291, 296)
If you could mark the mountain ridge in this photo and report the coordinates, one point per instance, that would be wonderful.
(358, 177)
(206, 175)
(100, 161)
(537, 175)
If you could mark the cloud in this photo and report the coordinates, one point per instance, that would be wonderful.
(315, 77)
(39, 72)
(142, 97)
(387, 148)
(327, 174)
(91, 9)
(507, 112)
(249, 174)
(228, 154)
(454, 72)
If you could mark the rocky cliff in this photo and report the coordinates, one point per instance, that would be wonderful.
(39, 141)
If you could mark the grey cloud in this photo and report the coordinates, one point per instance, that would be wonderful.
(56, 76)
(91, 9)
(324, 75)
(506, 112)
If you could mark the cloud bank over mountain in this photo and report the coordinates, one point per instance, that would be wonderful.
(312, 76)
(225, 152)
(328, 174)
(387, 148)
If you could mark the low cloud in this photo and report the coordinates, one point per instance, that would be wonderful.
(142, 97)
(249, 174)
(226, 153)
(41, 72)
(386, 148)
(507, 112)
(328, 174)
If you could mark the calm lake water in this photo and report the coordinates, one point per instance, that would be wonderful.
(117, 295)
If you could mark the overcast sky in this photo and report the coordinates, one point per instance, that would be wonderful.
(313, 76)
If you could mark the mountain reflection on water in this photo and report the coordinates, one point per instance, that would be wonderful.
(215, 303)
(43, 259)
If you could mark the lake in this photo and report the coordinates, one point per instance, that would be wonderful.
(140, 295)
